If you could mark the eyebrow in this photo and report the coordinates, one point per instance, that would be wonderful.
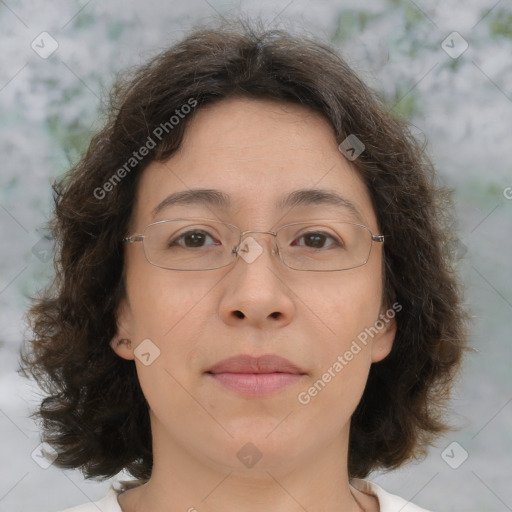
(221, 200)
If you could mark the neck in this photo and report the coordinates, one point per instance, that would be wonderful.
(181, 481)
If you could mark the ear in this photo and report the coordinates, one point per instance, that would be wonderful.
(121, 343)
(383, 340)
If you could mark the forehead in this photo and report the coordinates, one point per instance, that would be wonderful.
(256, 153)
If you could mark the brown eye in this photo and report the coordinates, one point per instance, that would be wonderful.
(192, 239)
(317, 240)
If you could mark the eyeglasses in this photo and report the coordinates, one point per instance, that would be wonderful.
(205, 244)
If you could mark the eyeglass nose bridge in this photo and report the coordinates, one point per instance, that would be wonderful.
(275, 249)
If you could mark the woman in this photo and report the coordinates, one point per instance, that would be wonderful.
(254, 305)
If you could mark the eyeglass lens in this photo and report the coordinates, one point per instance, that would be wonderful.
(202, 244)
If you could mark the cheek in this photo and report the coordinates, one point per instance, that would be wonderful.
(175, 323)
(346, 304)
(162, 300)
(172, 311)
(343, 347)
(343, 360)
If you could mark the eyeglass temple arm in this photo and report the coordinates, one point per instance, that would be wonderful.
(378, 238)
(133, 238)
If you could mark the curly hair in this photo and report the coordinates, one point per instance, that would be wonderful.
(94, 413)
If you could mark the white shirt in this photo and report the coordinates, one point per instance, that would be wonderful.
(387, 502)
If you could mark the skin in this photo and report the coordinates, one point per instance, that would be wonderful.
(241, 146)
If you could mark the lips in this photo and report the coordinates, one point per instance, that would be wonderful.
(255, 376)
(267, 363)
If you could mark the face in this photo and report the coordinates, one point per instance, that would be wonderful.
(255, 151)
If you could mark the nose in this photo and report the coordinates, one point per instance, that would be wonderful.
(255, 290)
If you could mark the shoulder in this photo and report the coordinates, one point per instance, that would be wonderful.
(387, 502)
(108, 503)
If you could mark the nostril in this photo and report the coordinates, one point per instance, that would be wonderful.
(239, 314)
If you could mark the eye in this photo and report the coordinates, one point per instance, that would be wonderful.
(317, 240)
(193, 239)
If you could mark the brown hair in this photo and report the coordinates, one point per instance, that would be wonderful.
(95, 414)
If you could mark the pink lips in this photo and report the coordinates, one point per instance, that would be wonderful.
(255, 375)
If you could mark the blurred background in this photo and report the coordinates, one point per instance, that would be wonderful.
(445, 65)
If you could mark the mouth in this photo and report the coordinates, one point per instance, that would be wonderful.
(255, 376)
